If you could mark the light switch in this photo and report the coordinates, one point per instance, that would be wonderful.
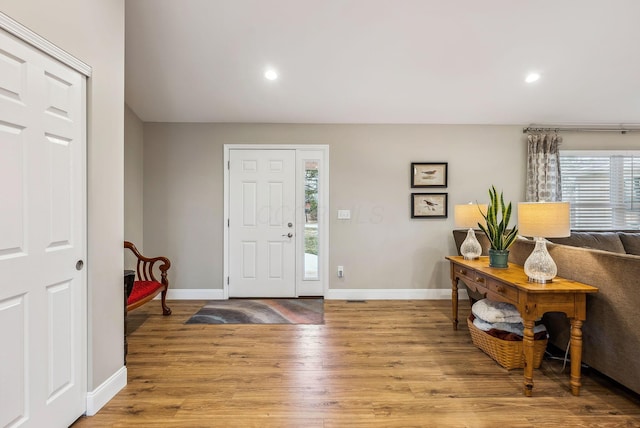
(344, 214)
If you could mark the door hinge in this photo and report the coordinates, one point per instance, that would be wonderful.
(228, 164)
(227, 280)
(228, 224)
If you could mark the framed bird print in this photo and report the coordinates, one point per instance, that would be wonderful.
(428, 205)
(425, 174)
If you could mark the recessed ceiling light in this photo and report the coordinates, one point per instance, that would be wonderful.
(532, 77)
(270, 74)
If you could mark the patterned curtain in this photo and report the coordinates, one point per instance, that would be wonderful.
(543, 168)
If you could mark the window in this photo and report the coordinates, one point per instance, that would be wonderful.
(311, 220)
(603, 188)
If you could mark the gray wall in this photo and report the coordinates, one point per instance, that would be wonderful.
(93, 31)
(133, 183)
(600, 141)
(380, 247)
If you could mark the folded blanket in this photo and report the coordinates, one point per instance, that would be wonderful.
(491, 311)
(505, 335)
(515, 328)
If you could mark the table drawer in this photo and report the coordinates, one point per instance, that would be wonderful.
(502, 289)
(486, 285)
(467, 275)
(473, 279)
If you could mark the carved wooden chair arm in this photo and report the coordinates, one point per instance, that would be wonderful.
(145, 275)
(145, 265)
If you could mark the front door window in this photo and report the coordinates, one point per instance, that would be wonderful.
(311, 220)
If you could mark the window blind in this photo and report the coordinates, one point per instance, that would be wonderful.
(603, 189)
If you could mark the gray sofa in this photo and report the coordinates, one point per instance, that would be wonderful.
(609, 261)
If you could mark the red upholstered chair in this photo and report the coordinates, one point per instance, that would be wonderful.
(146, 286)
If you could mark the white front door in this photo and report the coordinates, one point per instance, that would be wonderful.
(262, 223)
(42, 237)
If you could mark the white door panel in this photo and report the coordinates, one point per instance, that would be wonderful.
(13, 354)
(42, 235)
(261, 217)
(12, 221)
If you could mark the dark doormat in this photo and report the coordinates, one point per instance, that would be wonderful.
(135, 320)
(260, 311)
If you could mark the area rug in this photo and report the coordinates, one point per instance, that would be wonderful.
(260, 311)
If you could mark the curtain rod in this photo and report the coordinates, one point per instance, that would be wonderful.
(577, 129)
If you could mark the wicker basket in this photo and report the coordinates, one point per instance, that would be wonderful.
(507, 353)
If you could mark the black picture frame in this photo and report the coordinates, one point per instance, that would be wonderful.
(429, 174)
(429, 205)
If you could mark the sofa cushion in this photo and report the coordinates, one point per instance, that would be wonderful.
(631, 242)
(606, 241)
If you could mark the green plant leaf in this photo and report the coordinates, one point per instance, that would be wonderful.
(497, 221)
(507, 214)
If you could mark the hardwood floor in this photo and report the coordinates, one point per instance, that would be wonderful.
(372, 364)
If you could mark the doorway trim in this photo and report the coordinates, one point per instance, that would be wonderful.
(323, 212)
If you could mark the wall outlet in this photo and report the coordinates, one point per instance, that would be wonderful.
(340, 271)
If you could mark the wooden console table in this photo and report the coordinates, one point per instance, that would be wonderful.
(532, 300)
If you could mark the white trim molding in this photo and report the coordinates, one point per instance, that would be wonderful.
(194, 294)
(392, 294)
(100, 396)
(333, 294)
(20, 31)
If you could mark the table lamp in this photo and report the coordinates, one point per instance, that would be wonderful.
(541, 220)
(469, 215)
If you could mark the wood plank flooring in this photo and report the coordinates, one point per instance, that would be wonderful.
(372, 364)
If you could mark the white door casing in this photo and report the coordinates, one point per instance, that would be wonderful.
(42, 237)
(262, 223)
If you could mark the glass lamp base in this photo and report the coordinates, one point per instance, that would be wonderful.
(470, 248)
(540, 267)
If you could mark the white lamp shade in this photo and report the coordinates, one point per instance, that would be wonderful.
(544, 219)
(469, 215)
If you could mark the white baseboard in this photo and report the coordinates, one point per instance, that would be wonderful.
(106, 391)
(332, 294)
(194, 294)
(392, 294)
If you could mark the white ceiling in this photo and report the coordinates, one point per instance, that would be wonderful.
(384, 61)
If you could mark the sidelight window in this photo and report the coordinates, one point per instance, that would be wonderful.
(311, 236)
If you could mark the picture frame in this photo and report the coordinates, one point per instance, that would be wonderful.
(429, 205)
(429, 174)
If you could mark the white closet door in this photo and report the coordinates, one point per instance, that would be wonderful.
(42, 238)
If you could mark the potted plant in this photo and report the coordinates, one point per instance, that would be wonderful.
(496, 228)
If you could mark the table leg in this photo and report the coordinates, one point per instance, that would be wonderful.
(576, 355)
(454, 301)
(528, 356)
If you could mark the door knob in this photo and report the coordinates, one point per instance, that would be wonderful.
(79, 265)
(289, 235)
